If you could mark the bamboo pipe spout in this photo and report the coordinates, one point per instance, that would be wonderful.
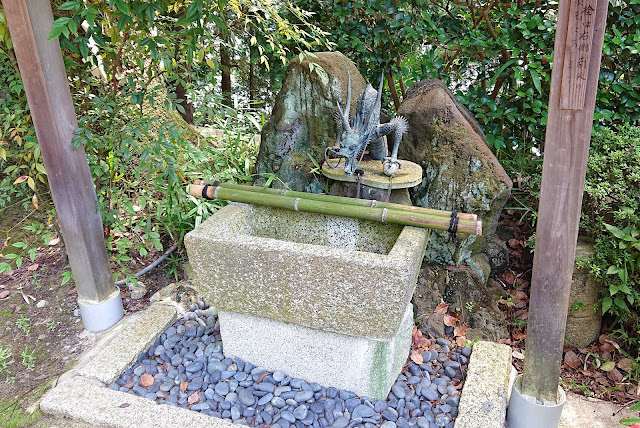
(341, 206)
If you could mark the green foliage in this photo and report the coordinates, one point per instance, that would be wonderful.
(611, 215)
(24, 323)
(5, 360)
(28, 358)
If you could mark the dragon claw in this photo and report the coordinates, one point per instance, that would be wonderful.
(390, 166)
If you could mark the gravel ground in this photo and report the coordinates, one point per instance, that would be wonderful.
(186, 367)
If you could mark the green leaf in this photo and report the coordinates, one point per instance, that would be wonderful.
(608, 366)
(619, 301)
(612, 270)
(636, 406)
(68, 5)
(122, 6)
(632, 420)
(615, 231)
(499, 72)
(536, 80)
(606, 304)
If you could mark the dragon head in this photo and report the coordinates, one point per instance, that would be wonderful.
(354, 134)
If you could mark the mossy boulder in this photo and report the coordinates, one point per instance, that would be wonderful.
(459, 170)
(302, 122)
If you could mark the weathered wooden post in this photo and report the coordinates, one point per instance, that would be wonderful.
(576, 66)
(45, 82)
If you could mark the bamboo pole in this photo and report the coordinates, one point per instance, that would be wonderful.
(375, 213)
(344, 200)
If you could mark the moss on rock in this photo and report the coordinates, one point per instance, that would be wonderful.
(460, 172)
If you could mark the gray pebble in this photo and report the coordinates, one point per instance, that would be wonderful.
(442, 341)
(222, 388)
(303, 396)
(341, 422)
(388, 424)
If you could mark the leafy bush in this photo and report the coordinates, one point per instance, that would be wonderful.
(611, 215)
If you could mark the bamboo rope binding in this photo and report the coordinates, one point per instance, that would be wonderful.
(384, 212)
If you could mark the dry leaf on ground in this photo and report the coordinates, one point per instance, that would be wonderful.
(442, 308)
(417, 358)
(146, 380)
(183, 386)
(193, 398)
(451, 319)
(460, 330)
(572, 360)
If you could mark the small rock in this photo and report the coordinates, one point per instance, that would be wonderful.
(41, 304)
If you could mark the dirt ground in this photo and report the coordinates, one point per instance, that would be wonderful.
(41, 333)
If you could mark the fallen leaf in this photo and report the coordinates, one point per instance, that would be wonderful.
(73, 290)
(193, 398)
(129, 384)
(460, 340)
(183, 386)
(54, 241)
(146, 380)
(442, 308)
(124, 405)
(460, 330)
(625, 364)
(21, 179)
(607, 347)
(520, 295)
(451, 319)
(4, 294)
(509, 277)
(33, 267)
(514, 243)
(572, 360)
(519, 336)
(505, 341)
(607, 366)
(615, 375)
(417, 358)
(517, 354)
(262, 376)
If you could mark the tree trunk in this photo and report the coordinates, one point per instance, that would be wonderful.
(225, 67)
(253, 99)
(392, 89)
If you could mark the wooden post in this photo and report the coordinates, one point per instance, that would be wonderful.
(45, 82)
(576, 66)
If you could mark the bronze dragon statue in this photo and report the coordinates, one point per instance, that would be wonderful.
(364, 131)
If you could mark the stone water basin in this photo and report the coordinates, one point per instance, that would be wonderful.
(334, 274)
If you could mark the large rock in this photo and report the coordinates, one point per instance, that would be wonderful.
(460, 172)
(302, 122)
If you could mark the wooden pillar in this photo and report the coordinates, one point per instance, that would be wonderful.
(45, 82)
(576, 66)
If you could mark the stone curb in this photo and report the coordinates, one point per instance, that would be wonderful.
(120, 349)
(483, 402)
(82, 394)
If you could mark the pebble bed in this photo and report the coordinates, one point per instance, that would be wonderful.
(188, 369)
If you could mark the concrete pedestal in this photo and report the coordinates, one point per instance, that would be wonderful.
(365, 366)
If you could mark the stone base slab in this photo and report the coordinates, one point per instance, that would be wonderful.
(367, 367)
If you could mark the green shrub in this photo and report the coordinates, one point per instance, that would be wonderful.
(611, 215)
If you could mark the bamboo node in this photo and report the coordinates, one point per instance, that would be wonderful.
(295, 204)
(215, 192)
(384, 214)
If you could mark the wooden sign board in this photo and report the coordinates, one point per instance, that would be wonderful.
(578, 48)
